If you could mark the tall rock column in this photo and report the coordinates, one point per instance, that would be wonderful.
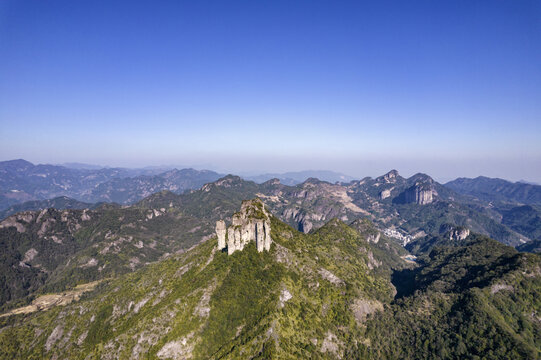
(221, 233)
(260, 236)
(251, 223)
(268, 240)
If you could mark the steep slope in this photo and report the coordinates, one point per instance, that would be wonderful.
(51, 249)
(469, 299)
(524, 219)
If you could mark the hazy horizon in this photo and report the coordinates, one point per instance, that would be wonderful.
(370, 170)
(450, 89)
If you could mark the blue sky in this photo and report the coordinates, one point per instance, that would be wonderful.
(450, 88)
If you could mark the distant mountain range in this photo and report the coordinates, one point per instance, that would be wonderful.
(391, 201)
(490, 189)
(22, 181)
(297, 177)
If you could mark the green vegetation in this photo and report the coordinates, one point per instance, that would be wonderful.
(322, 295)
(474, 299)
(224, 306)
(338, 292)
(525, 220)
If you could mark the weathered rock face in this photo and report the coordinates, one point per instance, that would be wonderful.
(385, 194)
(221, 233)
(453, 232)
(251, 223)
(390, 177)
(373, 238)
(420, 193)
(459, 234)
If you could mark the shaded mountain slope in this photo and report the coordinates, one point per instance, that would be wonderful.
(491, 189)
(468, 300)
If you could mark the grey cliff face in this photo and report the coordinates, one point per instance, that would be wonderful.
(420, 193)
(221, 232)
(251, 223)
(385, 194)
(459, 234)
(453, 232)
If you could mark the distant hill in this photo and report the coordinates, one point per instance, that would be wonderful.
(490, 189)
(60, 203)
(297, 177)
(22, 181)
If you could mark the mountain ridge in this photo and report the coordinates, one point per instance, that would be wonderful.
(328, 294)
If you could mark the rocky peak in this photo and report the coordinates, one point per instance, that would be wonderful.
(226, 182)
(389, 177)
(420, 178)
(312, 181)
(251, 223)
(274, 181)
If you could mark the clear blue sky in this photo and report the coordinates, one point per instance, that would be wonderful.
(450, 88)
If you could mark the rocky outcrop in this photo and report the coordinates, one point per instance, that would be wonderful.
(385, 194)
(454, 232)
(221, 232)
(420, 193)
(251, 223)
(459, 234)
(390, 177)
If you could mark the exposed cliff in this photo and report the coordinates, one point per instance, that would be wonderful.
(421, 193)
(453, 232)
(251, 223)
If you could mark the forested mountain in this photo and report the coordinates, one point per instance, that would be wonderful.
(490, 189)
(337, 281)
(54, 249)
(333, 293)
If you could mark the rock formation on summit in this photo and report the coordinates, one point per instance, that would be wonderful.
(251, 223)
(390, 177)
